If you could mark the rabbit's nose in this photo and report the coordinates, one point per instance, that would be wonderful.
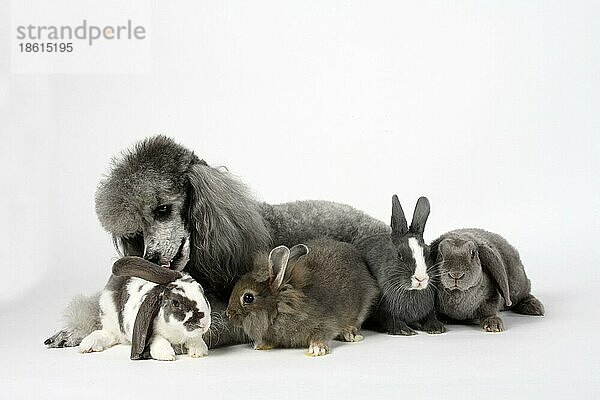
(456, 274)
(200, 315)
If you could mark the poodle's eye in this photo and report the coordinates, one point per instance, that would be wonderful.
(162, 211)
(248, 298)
(175, 303)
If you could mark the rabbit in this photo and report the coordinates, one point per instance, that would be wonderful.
(481, 274)
(400, 262)
(151, 307)
(304, 298)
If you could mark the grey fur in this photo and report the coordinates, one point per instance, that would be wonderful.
(402, 309)
(212, 209)
(322, 295)
(477, 269)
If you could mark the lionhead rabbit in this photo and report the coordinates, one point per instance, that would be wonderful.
(153, 308)
(301, 298)
(481, 274)
(400, 262)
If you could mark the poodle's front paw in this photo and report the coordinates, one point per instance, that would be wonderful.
(162, 351)
(197, 350)
(492, 324)
(317, 349)
(63, 338)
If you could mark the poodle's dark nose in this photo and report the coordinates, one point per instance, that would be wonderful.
(456, 274)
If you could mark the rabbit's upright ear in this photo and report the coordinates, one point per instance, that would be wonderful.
(399, 224)
(144, 269)
(298, 251)
(420, 216)
(492, 262)
(278, 260)
(142, 328)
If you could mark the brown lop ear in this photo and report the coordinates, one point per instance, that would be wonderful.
(420, 216)
(144, 269)
(398, 224)
(278, 260)
(142, 328)
(298, 251)
(492, 262)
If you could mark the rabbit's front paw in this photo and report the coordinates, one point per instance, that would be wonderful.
(350, 334)
(263, 346)
(492, 324)
(317, 349)
(96, 341)
(434, 327)
(402, 331)
(197, 350)
(162, 350)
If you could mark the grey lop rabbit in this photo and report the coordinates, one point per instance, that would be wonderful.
(481, 274)
(304, 298)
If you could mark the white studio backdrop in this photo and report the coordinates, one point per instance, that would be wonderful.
(491, 109)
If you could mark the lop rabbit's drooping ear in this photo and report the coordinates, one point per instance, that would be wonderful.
(420, 216)
(144, 269)
(492, 262)
(398, 224)
(142, 328)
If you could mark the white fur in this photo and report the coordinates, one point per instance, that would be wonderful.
(420, 278)
(136, 298)
(165, 334)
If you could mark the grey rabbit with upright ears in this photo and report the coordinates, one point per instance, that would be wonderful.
(152, 307)
(481, 274)
(304, 298)
(400, 262)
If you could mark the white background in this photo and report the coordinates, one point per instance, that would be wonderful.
(491, 109)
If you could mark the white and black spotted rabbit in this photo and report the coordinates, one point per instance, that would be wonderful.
(153, 308)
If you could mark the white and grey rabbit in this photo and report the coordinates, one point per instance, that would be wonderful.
(481, 274)
(400, 262)
(153, 308)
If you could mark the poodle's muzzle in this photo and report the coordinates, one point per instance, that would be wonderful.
(168, 254)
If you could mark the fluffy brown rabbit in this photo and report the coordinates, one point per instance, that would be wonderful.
(304, 297)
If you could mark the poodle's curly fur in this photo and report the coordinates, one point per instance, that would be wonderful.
(163, 202)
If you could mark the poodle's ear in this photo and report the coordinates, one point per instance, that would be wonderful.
(142, 328)
(129, 245)
(398, 224)
(492, 263)
(420, 216)
(144, 269)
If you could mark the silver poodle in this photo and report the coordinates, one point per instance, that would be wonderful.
(162, 202)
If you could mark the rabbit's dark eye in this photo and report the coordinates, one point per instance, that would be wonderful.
(175, 303)
(472, 254)
(248, 298)
(162, 211)
(400, 257)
